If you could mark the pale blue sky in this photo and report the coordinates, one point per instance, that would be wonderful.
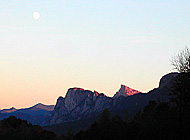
(96, 45)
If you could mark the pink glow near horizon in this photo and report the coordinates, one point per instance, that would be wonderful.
(90, 45)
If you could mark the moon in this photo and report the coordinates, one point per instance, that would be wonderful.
(36, 15)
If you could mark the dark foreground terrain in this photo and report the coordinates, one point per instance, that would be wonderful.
(157, 122)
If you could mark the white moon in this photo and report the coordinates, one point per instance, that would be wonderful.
(36, 15)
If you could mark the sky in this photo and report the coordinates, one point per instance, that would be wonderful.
(92, 44)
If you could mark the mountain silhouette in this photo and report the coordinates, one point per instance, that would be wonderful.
(36, 114)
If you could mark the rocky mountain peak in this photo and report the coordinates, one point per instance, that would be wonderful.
(79, 103)
(125, 91)
(75, 96)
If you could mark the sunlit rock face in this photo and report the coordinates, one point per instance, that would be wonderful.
(74, 97)
(125, 91)
(77, 104)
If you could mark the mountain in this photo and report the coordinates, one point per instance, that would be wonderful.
(79, 104)
(38, 109)
(36, 114)
(125, 91)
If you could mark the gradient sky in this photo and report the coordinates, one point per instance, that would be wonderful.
(92, 44)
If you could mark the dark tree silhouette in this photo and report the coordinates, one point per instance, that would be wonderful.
(181, 61)
(105, 117)
(180, 94)
(13, 128)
